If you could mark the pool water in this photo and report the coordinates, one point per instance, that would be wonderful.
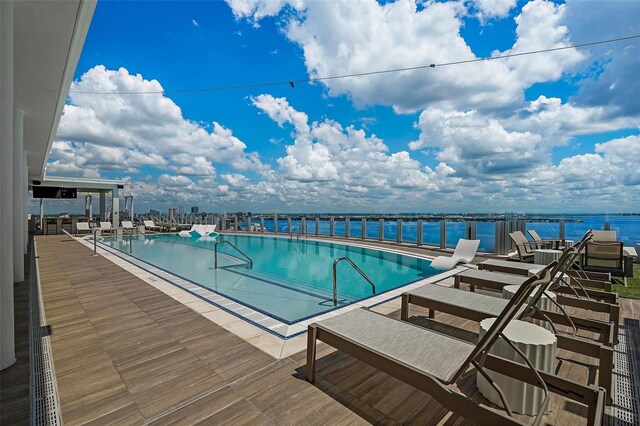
(288, 280)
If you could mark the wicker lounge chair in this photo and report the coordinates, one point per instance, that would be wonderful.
(464, 253)
(477, 307)
(433, 362)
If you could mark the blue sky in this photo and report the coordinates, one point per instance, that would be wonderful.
(537, 133)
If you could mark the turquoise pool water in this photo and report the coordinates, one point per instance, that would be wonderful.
(289, 280)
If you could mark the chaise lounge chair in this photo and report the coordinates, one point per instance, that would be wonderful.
(150, 226)
(434, 362)
(83, 227)
(525, 247)
(105, 227)
(199, 230)
(555, 243)
(464, 253)
(128, 225)
(477, 307)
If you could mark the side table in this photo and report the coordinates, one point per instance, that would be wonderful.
(545, 303)
(539, 345)
(546, 256)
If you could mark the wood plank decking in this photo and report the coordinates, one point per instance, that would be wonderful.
(126, 353)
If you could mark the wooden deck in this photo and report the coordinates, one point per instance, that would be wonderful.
(126, 353)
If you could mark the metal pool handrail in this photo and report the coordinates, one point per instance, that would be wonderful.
(215, 249)
(95, 239)
(335, 281)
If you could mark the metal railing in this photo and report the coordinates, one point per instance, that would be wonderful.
(215, 255)
(298, 233)
(113, 228)
(335, 277)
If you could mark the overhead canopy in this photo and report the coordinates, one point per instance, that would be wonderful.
(48, 41)
(83, 185)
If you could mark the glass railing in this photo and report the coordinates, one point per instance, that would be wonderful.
(627, 229)
(431, 233)
(546, 230)
(455, 231)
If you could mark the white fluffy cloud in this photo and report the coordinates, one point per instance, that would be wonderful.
(328, 154)
(358, 36)
(124, 133)
(488, 9)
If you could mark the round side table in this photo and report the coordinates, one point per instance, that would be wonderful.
(544, 303)
(546, 256)
(539, 345)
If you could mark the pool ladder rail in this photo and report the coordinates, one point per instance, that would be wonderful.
(126, 231)
(299, 233)
(215, 256)
(335, 277)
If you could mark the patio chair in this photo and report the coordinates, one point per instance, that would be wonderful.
(604, 236)
(525, 247)
(556, 243)
(464, 253)
(82, 227)
(105, 227)
(128, 226)
(150, 226)
(434, 362)
(606, 257)
(477, 307)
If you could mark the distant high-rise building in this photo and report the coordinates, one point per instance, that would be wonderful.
(154, 213)
(181, 211)
(195, 209)
(172, 213)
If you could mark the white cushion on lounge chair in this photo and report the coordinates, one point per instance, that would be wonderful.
(464, 253)
(105, 225)
(127, 224)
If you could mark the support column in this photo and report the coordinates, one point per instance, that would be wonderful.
(88, 207)
(115, 207)
(19, 217)
(25, 204)
(103, 206)
(7, 337)
(42, 224)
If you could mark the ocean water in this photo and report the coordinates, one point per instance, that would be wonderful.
(626, 227)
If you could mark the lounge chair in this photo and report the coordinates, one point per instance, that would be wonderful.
(464, 253)
(199, 230)
(82, 227)
(599, 280)
(572, 294)
(556, 243)
(477, 307)
(434, 362)
(105, 227)
(525, 247)
(150, 226)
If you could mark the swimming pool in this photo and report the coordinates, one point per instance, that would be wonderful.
(288, 280)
